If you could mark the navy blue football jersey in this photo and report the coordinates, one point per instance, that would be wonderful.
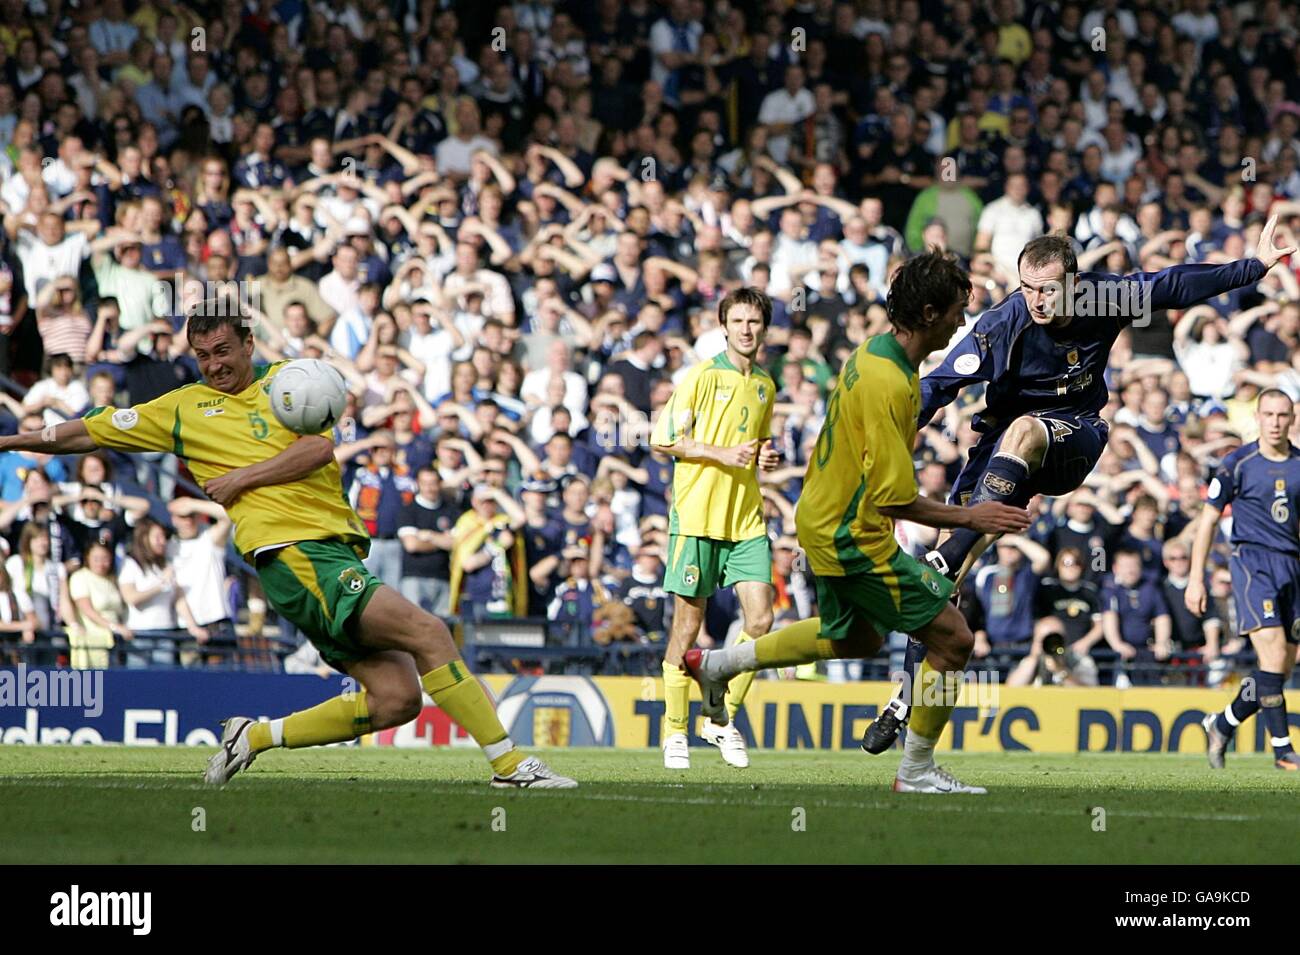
(1030, 368)
(1265, 498)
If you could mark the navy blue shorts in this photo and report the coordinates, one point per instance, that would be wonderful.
(1266, 588)
(1074, 444)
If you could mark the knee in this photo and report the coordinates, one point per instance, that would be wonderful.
(396, 708)
(1024, 438)
(758, 623)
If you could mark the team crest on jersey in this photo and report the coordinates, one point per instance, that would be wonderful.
(352, 580)
(1268, 608)
(762, 394)
(126, 419)
(1072, 356)
(692, 575)
(998, 485)
(928, 579)
(1280, 485)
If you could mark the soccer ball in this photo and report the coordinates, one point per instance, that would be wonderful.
(308, 395)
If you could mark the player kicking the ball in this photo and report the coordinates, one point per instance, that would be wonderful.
(859, 482)
(716, 426)
(1043, 353)
(1261, 481)
(294, 524)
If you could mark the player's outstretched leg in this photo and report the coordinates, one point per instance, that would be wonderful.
(796, 644)
(412, 652)
(1019, 454)
(948, 642)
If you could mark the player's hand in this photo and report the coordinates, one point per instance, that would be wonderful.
(768, 457)
(991, 517)
(1266, 251)
(1194, 597)
(741, 456)
(225, 488)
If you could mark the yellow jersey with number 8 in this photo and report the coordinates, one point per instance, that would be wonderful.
(717, 404)
(862, 462)
(215, 433)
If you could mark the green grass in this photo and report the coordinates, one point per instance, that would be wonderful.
(119, 805)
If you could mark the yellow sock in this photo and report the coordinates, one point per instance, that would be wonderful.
(934, 694)
(259, 737)
(461, 697)
(739, 685)
(677, 699)
(342, 718)
(792, 645)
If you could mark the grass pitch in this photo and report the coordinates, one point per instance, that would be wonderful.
(120, 805)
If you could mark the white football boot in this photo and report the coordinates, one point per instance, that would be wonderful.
(677, 753)
(934, 779)
(234, 755)
(729, 741)
(532, 773)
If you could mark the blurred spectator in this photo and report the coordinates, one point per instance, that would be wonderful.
(1006, 592)
(1135, 619)
(100, 609)
(424, 529)
(379, 493)
(1070, 604)
(154, 600)
(198, 557)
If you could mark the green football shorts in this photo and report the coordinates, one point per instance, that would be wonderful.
(321, 587)
(904, 595)
(700, 566)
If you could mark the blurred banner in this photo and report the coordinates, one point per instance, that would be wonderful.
(149, 708)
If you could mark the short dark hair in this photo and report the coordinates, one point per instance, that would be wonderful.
(746, 295)
(211, 314)
(1047, 249)
(1274, 393)
(933, 278)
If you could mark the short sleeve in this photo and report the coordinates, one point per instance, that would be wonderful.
(891, 477)
(152, 426)
(678, 416)
(1222, 488)
(78, 585)
(131, 573)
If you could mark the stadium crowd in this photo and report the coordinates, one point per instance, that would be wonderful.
(510, 225)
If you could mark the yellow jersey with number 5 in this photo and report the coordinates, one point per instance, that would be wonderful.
(862, 462)
(215, 433)
(717, 404)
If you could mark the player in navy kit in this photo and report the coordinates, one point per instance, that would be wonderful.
(1261, 481)
(1042, 353)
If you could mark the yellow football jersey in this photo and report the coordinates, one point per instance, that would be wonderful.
(862, 462)
(215, 433)
(717, 404)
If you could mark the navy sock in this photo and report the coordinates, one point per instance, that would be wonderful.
(1272, 706)
(1242, 707)
(1006, 481)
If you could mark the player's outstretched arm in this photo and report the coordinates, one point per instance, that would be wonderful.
(305, 456)
(69, 437)
(1181, 286)
(989, 517)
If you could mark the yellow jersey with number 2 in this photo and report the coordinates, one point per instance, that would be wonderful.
(862, 462)
(215, 433)
(717, 404)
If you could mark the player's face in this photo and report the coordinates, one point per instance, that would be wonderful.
(1275, 415)
(946, 325)
(744, 329)
(1044, 289)
(225, 362)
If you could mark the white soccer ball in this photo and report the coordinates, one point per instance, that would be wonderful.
(308, 395)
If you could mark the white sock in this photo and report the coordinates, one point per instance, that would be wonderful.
(918, 753)
(277, 732)
(724, 664)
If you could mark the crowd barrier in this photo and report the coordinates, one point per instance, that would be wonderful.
(170, 707)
